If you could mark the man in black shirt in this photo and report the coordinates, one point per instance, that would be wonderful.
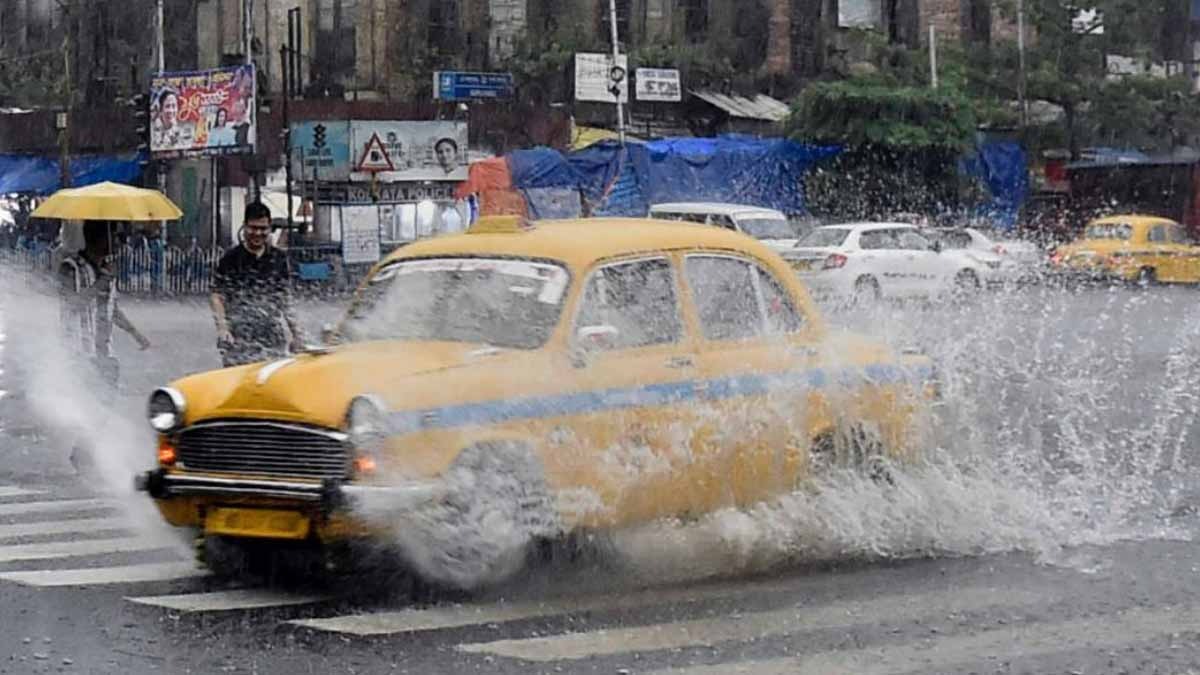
(251, 299)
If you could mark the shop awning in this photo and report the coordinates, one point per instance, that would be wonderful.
(761, 107)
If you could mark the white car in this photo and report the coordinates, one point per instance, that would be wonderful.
(868, 261)
(1020, 261)
(769, 226)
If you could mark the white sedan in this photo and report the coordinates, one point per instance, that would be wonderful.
(1020, 261)
(868, 261)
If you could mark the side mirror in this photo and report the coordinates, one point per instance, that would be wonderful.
(329, 335)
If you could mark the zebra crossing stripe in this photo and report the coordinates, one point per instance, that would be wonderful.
(955, 652)
(459, 616)
(76, 526)
(228, 600)
(99, 576)
(67, 549)
(14, 491)
(24, 508)
(751, 626)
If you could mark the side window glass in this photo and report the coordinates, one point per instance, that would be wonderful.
(721, 221)
(725, 296)
(782, 316)
(629, 305)
(890, 239)
(1158, 234)
(874, 239)
(1177, 235)
(911, 241)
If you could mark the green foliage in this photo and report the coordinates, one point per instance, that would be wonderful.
(873, 111)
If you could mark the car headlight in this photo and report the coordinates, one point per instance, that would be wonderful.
(367, 424)
(165, 410)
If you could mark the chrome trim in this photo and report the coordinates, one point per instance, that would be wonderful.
(338, 436)
(174, 484)
(330, 494)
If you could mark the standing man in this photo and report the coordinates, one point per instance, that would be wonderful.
(252, 299)
(88, 290)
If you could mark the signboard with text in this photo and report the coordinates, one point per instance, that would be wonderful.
(383, 193)
(593, 78)
(321, 150)
(203, 113)
(416, 151)
(360, 235)
(658, 84)
(456, 86)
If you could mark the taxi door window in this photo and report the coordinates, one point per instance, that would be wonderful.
(1158, 234)
(781, 314)
(632, 304)
(726, 297)
(1176, 234)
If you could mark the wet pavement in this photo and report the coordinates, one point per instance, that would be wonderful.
(1055, 536)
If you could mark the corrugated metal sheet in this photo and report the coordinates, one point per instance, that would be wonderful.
(761, 107)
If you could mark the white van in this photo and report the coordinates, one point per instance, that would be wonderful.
(769, 226)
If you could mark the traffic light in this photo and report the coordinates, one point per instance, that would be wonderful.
(139, 110)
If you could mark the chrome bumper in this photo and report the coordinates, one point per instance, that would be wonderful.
(330, 494)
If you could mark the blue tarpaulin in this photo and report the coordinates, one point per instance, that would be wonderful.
(627, 180)
(1001, 166)
(30, 174)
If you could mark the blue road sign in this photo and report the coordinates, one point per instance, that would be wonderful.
(455, 86)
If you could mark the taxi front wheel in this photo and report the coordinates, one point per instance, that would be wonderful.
(1146, 276)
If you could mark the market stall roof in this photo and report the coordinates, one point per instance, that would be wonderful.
(30, 174)
(761, 107)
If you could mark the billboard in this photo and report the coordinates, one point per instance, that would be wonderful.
(207, 112)
(593, 78)
(414, 151)
(321, 150)
(658, 84)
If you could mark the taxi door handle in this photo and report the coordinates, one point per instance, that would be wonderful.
(680, 362)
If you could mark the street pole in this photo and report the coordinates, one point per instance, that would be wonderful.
(616, 53)
(286, 78)
(158, 36)
(64, 132)
(1024, 105)
(933, 71)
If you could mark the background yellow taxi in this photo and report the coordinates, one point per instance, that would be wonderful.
(1143, 249)
(522, 382)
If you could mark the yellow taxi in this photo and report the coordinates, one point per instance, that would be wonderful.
(1141, 249)
(527, 383)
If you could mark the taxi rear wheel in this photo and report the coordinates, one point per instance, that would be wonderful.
(1146, 277)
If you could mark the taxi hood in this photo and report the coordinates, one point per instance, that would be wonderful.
(316, 388)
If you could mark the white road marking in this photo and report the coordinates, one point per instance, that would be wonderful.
(14, 491)
(23, 508)
(1099, 633)
(77, 526)
(67, 549)
(96, 576)
(459, 616)
(751, 626)
(227, 600)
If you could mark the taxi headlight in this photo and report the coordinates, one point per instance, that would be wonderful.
(367, 424)
(165, 410)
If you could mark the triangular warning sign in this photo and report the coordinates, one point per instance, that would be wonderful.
(375, 156)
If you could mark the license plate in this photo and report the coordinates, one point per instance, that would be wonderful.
(270, 523)
(801, 265)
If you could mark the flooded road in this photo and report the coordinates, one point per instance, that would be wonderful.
(1052, 530)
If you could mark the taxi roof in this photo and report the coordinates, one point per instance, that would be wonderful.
(1136, 220)
(582, 241)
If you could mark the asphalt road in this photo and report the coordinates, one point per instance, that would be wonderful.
(1052, 532)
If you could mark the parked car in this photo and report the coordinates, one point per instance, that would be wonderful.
(526, 383)
(1130, 248)
(1008, 262)
(866, 261)
(769, 226)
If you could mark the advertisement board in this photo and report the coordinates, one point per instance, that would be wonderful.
(203, 113)
(321, 150)
(658, 84)
(416, 151)
(360, 234)
(593, 78)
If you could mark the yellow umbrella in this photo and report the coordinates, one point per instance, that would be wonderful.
(108, 201)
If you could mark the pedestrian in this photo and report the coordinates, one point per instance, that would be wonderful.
(88, 292)
(252, 297)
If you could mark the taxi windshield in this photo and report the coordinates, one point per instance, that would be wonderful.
(500, 302)
(767, 228)
(1119, 231)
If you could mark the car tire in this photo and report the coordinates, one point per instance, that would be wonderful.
(853, 447)
(966, 283)
(866, 291)
(485, 531)
(1146, 277)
